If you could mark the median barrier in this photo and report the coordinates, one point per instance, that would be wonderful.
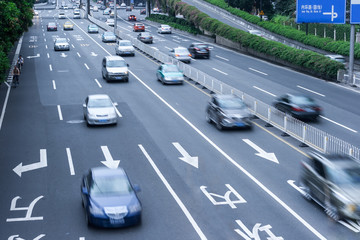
(303, 132)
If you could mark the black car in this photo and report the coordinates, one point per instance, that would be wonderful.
(228, 111)
(199, 50)
(298, 106)
(332, 181)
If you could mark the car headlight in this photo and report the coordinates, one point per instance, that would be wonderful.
(126, 72)
(96, 211)
(135, 208)
(351, 207)
(91, 115)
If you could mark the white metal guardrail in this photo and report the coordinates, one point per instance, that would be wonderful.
(305, 133)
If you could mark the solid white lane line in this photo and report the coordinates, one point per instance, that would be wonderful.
(86, 66)
(349, 226)
(59, 111)
(71, 165)
(264, 91)
(310, 91)
(98, 83)
(48, 55)
(220, 71)
(78, 54)
(54, 85)
(117, 112)
(50, 67)
(235, 163)
(173, 194)
(350, 129)
(258, 71)
(222, 58)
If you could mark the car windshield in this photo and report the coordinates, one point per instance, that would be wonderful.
(170, 68)
(92, 26)
(68, 23)
(100, 103)
(231, 103)
(181, 51)
(345, 176)
(145, 34)
(61, 40)
(51, 24)
(113, 185)
(302, 100)
(201, 46)
(108, 33)
(125, 43)
(342, 60)
(116, 63)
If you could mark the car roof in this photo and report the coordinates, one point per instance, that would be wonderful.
(111, 58)
(224, 96)
(180, 48)
(58, 39)
(124, 41)
(107, 172)
(336, 159)
(334, 56)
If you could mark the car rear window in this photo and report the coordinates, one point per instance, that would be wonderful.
(302, 100)
(231, 103)
(116, 63)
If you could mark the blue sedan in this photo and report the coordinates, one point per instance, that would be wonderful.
(169, 74)
(109, 199)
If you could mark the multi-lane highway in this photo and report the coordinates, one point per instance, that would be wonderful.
(228, 192)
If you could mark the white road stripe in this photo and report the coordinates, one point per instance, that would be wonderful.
(220, 71)
(46, 47)
(310, 91)
(173, 194)
(50, 67)
(54, 85)
(64, 33)
(98, 83)
(117, 112)
(236, 164)
(352, 223)
(72, 45)
(71, 165)
(78, 54)
(258, 71)
(168, 48)
(264, 91)
(44, 39)
(68, 39)
(82, 238)
(86, 66)
(349, 226)
(222, 58)
(350, 129)
(59, 111)
(48, 56)
(176, 41)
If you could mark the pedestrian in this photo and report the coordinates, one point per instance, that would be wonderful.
(20, 62)
(16, 75)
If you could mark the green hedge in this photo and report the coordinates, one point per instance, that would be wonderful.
(307, 59)
(326, 44)
(174, 22)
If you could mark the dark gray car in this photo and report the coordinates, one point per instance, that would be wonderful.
(228, 111)
(332, 181)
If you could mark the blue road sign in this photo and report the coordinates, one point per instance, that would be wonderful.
(355, 12)
(321, 11)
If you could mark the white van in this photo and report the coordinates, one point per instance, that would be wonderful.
(115, 68)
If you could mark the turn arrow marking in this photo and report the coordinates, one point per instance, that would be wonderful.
(63, 55)
(19, 169)
(93, 54)
(109, 161)
(261, 152)
(193, 161)
(36, 56)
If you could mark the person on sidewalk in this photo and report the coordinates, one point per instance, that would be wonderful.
(16, 75)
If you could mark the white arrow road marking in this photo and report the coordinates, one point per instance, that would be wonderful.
(63, 55)
(36, 56)
(110, 162)
(93, 54)
(15, 237)
(19, 169)
(261, 152)
(193, 161)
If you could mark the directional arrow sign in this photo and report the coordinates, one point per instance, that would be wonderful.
(261, 153)
(110, 162)
(19, 169)
(193, 161)
(36, 56)
(63, 55)
(93, 54)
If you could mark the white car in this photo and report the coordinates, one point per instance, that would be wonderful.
(181, 54)
(110, 22)
(99, 110)
(61, 44)
(123, 5)
(95, 9)
(164, 29)
(124, 47)
(62, 15)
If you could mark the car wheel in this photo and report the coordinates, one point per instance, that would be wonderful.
(102, 73)
(332, 211)
(207, 117)
(87, 220)
(219, 126)
(306, 193)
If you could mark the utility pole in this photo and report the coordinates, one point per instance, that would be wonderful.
(351, 54)
(115, 16)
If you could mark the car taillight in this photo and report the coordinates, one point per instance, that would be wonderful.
(177, 55)
(297, 109)
(189, 55)
(197, 49)
(317, 108)
(207, 49)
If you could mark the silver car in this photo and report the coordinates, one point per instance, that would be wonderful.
(99, 110)
(61, 44)
(164, 29)
(110, 22)
(124, 47)
(62, 15)
(108, 37)
(181, 54)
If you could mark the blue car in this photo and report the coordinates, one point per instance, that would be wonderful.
(169, 74)
(92, 28)
(109, 199)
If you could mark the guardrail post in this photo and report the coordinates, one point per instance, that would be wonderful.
(325, 143)
(284, 134)
(351, 152)
(268, 124)
(303, 138)
(212, 86)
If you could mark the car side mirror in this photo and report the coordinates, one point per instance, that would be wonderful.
(136, 188)
(172, 50)
(127, 65)
(115, 104)
(84, 190)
